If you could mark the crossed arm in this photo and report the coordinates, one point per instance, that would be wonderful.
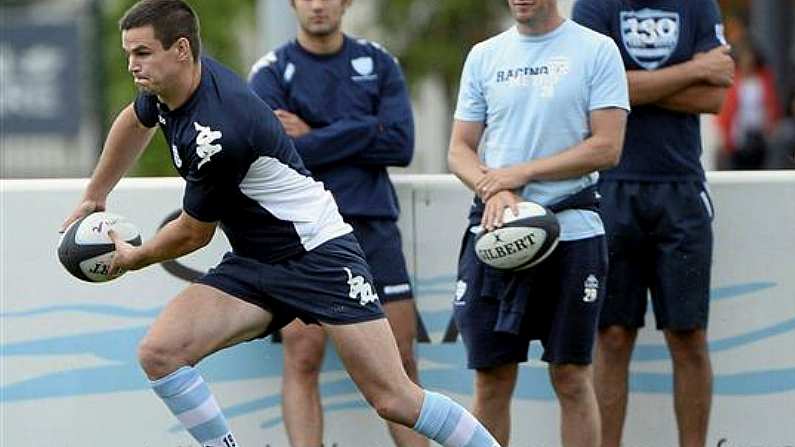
(695, 86)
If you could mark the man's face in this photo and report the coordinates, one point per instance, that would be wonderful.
(152, 66)
(320, 17)
(525, 11)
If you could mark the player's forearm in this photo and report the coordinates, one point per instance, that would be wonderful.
(336, 142)
(172, 241)
(463, 161)
(647, 87)
(575, 162)
(393, 146)
(125, 142)
(596, 153)
(699, 98)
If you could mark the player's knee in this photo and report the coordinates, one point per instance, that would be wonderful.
(307, 363)
(616, 339)
(156, 358)
(688, 346)
(495, 384)
(388, 405)
(571, 382)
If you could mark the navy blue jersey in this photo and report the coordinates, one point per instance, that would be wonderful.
(242, 170)
(660, 145)
(357, 105)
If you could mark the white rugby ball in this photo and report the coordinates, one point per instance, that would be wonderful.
(523, 240)
(86, 250)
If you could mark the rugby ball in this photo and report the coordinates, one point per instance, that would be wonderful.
(523, 240)
(86, 250)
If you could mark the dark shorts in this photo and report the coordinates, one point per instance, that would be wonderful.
(330, 284)
(561, 297)
(659, 237)
(380, 240)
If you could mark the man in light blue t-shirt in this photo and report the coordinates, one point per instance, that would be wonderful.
(546, 101)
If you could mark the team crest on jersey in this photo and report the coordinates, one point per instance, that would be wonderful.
(650, 36)
(364, 66)
(205, 147)
(460, 292)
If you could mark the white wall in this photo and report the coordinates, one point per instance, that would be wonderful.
(68, 373)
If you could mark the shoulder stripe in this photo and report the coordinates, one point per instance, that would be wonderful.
(263, 62)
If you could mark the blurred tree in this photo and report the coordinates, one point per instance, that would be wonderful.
(432, 38)
(219, 20)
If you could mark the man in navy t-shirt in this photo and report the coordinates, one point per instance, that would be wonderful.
(345, 104)
(292, 254)
(655, 204)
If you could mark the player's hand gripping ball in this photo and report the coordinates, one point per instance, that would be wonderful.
(523, 240)
(86, 250)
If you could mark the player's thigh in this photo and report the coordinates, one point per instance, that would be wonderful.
(623, 211)
(680, 291)
(370, 355)
(577, 275)
(202, 319)
(303, 345)
(402, 317)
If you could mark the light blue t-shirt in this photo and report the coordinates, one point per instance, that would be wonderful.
(534, 94)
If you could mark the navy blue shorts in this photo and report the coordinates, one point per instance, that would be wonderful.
(560, 300)
(659, 237)
(330, 284)
(380, 240)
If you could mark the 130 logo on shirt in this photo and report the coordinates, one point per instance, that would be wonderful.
(650, 36)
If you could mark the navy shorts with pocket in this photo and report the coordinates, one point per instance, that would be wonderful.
(659, 237)
(330, 284)
(560, 300)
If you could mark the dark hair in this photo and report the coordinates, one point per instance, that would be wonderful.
(171, 20)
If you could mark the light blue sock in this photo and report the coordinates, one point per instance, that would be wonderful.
(190, 400)
(449, 424)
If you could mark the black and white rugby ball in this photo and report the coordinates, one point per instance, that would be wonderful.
(523, 240)
(86, 250)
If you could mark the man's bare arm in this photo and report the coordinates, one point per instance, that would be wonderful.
(462, 156)
(714, 67)
(701, 98)
(126, 141)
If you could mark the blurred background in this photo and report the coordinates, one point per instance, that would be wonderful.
(63, 75)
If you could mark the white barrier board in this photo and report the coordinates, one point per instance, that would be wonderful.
(69, 375)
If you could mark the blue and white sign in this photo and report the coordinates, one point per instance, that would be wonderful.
(68, 349)
(40, 69)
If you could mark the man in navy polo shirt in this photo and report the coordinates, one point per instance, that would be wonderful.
(344, 103)
(292, 254)
(655, 204)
